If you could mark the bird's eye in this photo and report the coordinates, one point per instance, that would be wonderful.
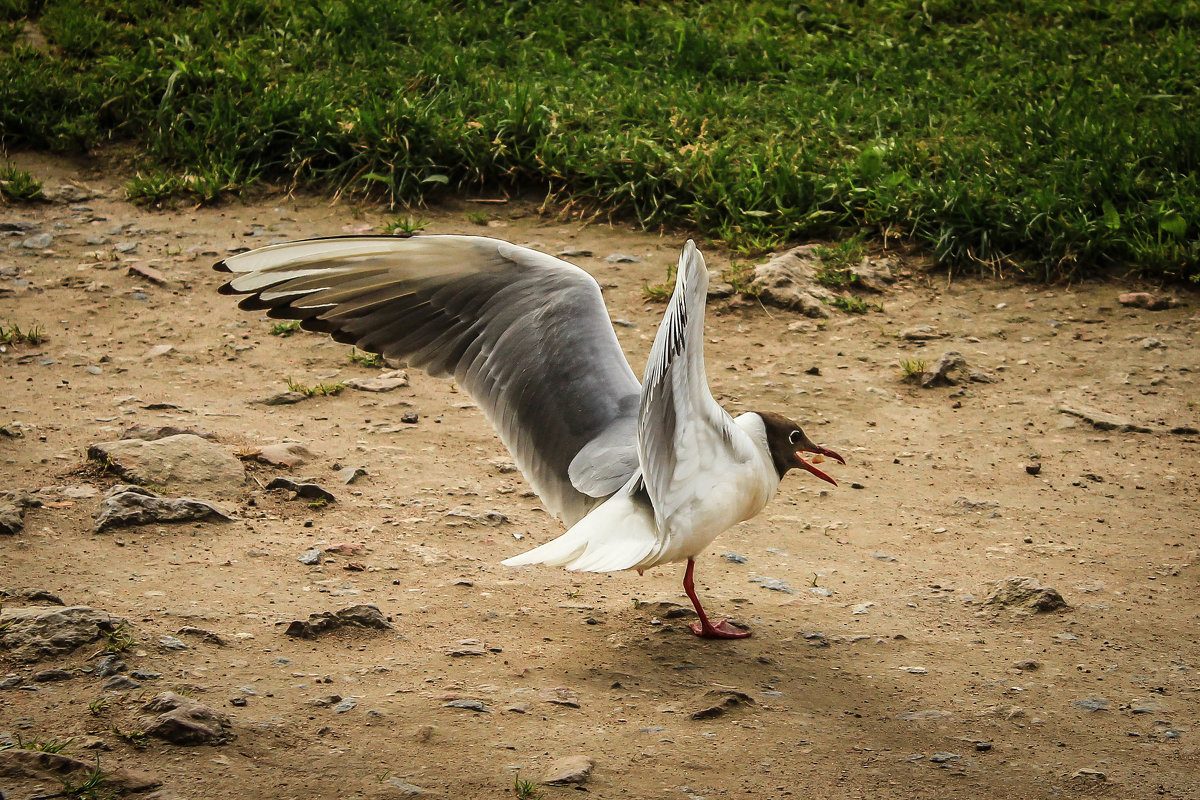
(795, 437)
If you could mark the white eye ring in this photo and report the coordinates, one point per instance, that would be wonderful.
(794, 437)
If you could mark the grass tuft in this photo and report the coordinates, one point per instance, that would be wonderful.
(913, 368)
(850, 304)
(365, 359)
(320, 389)
(286, 328)
(526, 790)
(406, 225)
(18, 184)
(839, 260)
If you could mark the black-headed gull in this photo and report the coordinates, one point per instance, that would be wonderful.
(642, 474)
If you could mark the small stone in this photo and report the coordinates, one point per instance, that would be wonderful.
(383, 382)
(1034, 468)
(345, 705)
(171, 643)
(718, 702)
(1103, 420)
(125, 247)
(147, 272)
(575, 252)
(52, 675)
(1028, 665)
(1146, 300)
(773, 584)
(1025, 593)
(363, 616)
(1091, 704)
(183, 721)
(561, 696)
(941, 372)
(467, 705)
(145, 675)
(310, 557)
(38, 241)
(1150, 343)
(569, 769)
(36, 632)
(121, 683)
(942, 758)
(622, 258)
(284, 399)
(922, 333)
(410, 418)
(462, 515)
(1087, 774)
(158, 351)
(734, 558)
(467, 647)
(182, 460)
(110, 664)
(308, 491)
(349, 475)
(284, 454)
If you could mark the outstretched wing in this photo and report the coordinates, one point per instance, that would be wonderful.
(525, 334)
(681, 429)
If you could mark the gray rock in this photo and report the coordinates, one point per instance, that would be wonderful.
(308, 491)
(394, 787)
(1150, 343)
(284, 399)
(125, 247)
(467, 705)
(110, 664)
(349, 475)
(922, 333)
(11, 683)
(184, 460)
(36, 632)
(363, 616)
(575, 252)
(787, 281)
(569, 769)
(285, 454)
(205, 636)
(39, 241)
(36, 765)
(1147, 300)
(171, 643)
(150, 433)
(1091, 704)
(734, 558)
(383, 382)
(774, 584)
(136, 506)
(180, 720)
(718, 702)
(52, 676)
(1025, 594)
(943, 758)
(12, 510)
(310, 557)
(874, 274)
(344, 705)
(622, 258)
(1086, 774)
(941, 372)
(119, 683)
(1102, 420)
(462, 515)
(467, 647)
(145, 675)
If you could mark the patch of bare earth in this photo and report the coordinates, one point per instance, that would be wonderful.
(876, 669)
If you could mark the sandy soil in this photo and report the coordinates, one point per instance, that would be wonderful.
(880, 674)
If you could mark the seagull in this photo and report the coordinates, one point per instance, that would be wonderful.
(642, 474)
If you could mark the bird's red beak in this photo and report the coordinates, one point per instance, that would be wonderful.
(809, 447)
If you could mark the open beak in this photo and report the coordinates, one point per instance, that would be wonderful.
(809, 447)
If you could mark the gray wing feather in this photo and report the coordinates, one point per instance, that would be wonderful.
(525, 334)
(680, 427)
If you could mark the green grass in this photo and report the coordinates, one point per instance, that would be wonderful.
(839, 260)
(365, 359)
(41, 745)
(406, 225)
(321, 389)
(13, 335)
(1047, 137)
(850, 304)
(913, 368)
(285, 328)
(17, 184)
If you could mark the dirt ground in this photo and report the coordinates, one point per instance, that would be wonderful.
(875, 669)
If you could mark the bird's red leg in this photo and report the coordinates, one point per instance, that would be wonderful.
(722, 630)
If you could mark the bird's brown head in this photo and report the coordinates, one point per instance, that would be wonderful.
(786, 441)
